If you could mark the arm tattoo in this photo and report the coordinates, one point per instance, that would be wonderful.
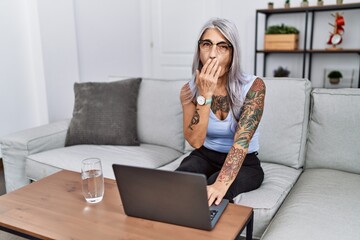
(251, 113)
(195, 120)
(220, 103)
(231, 165)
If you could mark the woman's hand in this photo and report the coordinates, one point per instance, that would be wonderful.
(216, 192)
(206, 80)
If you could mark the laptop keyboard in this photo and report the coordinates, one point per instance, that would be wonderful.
(213, 214)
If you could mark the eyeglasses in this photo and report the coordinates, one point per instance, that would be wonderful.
(221, 47)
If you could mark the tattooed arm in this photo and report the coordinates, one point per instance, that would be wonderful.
(195, 117)
(251, 114)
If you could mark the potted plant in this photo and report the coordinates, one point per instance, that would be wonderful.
(304, 3)
(270, 5)
(334, 77)
(287, 4)
(281, 37)
(281, 72)
(320, 2)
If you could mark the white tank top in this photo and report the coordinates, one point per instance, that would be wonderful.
(220, 133)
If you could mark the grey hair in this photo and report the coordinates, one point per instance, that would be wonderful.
(235, 76)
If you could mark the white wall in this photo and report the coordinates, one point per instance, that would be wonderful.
(109, 38)
(22, 92)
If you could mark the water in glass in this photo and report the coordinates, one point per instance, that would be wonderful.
(92, 180)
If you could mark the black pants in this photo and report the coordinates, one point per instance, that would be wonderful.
(210, 162)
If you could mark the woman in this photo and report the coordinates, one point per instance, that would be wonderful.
(222, 108)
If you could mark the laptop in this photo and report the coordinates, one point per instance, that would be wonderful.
(172, 197)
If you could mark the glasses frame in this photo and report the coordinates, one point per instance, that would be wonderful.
(212, 44)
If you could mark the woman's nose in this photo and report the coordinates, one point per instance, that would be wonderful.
(213, 52)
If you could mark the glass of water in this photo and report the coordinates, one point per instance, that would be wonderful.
(92, 180)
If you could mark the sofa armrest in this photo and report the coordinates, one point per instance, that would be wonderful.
(17, 146)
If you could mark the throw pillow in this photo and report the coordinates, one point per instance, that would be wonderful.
(105, 113)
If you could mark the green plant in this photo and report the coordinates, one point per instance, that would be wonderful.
(270, 3)
(281, 29)
(305, 0)
(287, 1)
(335, 74)
(281, 72)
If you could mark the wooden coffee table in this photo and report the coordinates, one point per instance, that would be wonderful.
(54, 208)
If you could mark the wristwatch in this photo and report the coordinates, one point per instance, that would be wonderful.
(202, 101)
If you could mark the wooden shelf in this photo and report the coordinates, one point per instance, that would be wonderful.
(307, 52)
(335, 7)
(311, 51)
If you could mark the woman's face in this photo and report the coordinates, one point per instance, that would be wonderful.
(214, 36)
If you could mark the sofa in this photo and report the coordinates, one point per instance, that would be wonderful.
(310, 153)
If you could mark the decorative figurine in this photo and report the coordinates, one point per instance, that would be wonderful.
(336, 36)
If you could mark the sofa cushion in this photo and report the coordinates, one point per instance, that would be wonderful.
(151, 156)
(104, 113)
(324, 204)
(283, 126)
(334, 132)
(160, 113)
(266, 200)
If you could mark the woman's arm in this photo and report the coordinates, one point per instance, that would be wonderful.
(196, 117)
(250, 117)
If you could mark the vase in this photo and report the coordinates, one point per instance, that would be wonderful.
(287, 5)
(320, 3)
(304, 4)
(270, 6)
(339, 2)
(334, 80)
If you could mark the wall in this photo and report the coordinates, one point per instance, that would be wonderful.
(22, 92)
(86, 41)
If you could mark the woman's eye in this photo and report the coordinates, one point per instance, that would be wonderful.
(206, 44)
(223, 46)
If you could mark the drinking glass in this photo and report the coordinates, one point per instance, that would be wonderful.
(92, 180)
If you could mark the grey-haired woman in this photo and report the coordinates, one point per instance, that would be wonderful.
(222, 109)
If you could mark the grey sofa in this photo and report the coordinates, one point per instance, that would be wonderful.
(310, 157)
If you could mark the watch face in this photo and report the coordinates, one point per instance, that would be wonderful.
(200, 100)
(336, 39)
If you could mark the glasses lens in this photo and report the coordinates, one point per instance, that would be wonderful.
(222, 47)
(205, 45)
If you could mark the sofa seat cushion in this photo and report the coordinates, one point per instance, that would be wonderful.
(146, 155)
(266, 200)
(324, 204)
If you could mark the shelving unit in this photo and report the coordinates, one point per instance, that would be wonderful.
(307, 49)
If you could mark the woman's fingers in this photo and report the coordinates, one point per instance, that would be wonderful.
(214, 195)
(206, 66)
(214, 68)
